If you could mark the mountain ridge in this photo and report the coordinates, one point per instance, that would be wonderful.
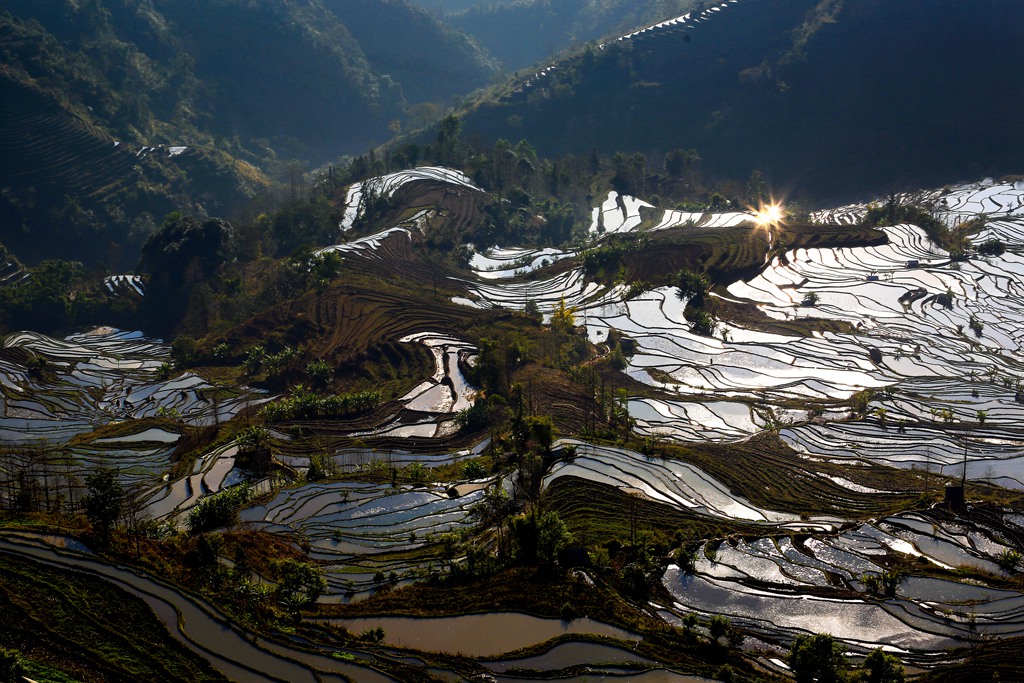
(828, 111)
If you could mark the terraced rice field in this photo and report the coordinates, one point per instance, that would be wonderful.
(784, 586)
(386, 186)
(937, 340)
(357, 530)
(125, 284)
(936, 334)
(670, 482)
(97, 379)
(192, 622)
(499, 264)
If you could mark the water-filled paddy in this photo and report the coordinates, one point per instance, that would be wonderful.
(479, 635)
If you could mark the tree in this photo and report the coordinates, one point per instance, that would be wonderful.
(324, 267)
(104, 503)
(680, 162)
(540, 432)
(686, 558)
(494, 510)
(552, 537)
(700, 322)
(448, 132)
(693, 286)
(540, 538)
(817, 658)
(254, 449)
(756, 190)
(719, 627)
(300, 584)
(563, 319)
(11, 669)
(882, 667)
(320, 373)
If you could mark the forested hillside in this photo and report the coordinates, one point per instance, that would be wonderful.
(824, 97)
(520, 34)
(90, 91)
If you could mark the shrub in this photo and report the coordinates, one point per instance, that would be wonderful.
(700, 322)
(817, 658)
(1009, 560)
(11, 668)
(220, 509)
(303, 404)
(992, 247)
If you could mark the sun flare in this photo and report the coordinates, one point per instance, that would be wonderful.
(769, 214)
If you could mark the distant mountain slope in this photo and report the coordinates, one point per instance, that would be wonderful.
(68, 190)
(520, 34)
(431, 63)
(824, 96)
(257, 81)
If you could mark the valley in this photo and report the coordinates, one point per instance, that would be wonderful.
(443, 340)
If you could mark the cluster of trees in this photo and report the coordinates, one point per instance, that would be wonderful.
(305, 404)
(40, 478)
(218, 510)
(527, 185)
(243, 588)
(56, 296)
(109, 506)
(506, 536)
(693, 287)
(822, 658)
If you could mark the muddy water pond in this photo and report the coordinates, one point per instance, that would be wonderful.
(478, 635)
(653, 676)
(571, 654)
